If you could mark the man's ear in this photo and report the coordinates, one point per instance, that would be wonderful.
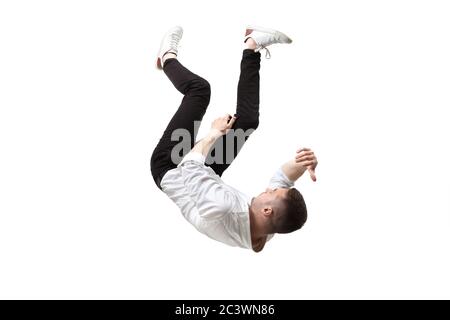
(267, 211)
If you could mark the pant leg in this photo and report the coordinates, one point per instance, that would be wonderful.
(197, 92)
(247, 110)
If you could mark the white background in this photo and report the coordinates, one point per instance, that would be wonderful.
(365, 84)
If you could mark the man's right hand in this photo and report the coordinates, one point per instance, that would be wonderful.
(307, 159)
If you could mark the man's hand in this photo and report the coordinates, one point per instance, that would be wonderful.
(223, 124)
(307, 159)
(219, 127)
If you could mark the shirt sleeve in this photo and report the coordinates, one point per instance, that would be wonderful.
(279, 180)
(193, 156)
(213, 200)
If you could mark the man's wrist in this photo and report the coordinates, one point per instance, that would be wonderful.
(215, 134)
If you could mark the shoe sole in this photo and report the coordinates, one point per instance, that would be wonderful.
(158, 64)
(249, 30)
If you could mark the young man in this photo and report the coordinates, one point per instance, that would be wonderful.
(211, 206)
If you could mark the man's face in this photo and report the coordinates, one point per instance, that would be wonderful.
(271, 196)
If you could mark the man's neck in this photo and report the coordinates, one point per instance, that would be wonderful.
(257, 233)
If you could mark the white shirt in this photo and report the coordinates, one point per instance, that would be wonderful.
(211, 206)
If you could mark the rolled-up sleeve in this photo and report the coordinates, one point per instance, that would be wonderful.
(212, 199)
(279, 180)
(193, 156)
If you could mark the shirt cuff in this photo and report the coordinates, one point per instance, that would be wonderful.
(193, 156)
(289, 181)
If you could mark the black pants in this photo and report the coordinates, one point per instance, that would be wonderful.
(197, 92)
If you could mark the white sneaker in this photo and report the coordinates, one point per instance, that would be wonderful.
(169, 44)
(264, 37)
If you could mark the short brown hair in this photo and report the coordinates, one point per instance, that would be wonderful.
(293, 215)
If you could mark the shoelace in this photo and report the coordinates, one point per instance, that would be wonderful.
(268, 55)
(174, 42)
